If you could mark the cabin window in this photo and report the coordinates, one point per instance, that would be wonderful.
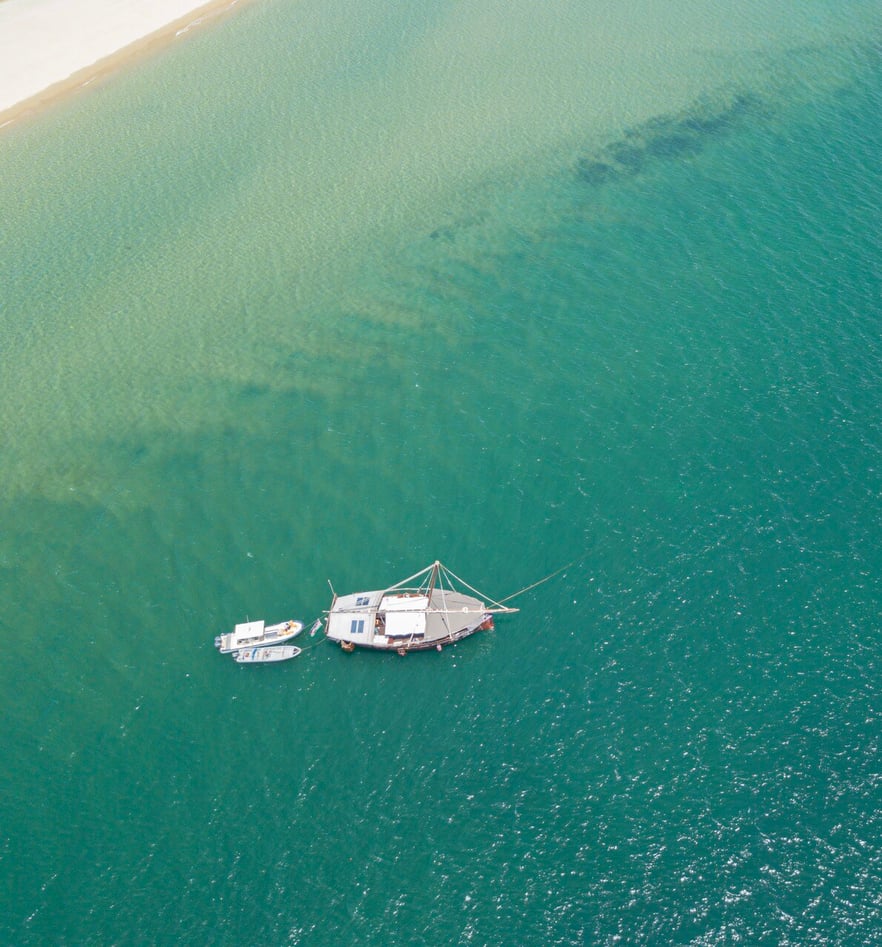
(357, 626)
(362, 600)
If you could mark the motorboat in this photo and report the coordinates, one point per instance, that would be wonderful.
(255, 634)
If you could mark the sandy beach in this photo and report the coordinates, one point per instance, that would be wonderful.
(51, 47)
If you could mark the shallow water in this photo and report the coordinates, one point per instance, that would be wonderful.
(510, 290)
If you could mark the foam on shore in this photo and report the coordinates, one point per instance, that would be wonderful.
(50, 47)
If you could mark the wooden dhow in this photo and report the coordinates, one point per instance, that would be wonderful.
(428, 610)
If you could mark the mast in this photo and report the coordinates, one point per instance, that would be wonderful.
(432, 579)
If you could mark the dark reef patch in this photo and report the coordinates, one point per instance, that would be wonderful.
(595, 172)
(666, 138)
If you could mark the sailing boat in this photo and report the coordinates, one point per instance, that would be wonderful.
(426, 610)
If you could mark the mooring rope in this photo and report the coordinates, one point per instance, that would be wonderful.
(312, 644)
(536, 584)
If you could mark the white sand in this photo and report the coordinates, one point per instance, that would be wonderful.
(49, 46)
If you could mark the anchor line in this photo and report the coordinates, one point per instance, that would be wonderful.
(541, 581)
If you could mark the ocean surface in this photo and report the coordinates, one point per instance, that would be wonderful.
(328, 291)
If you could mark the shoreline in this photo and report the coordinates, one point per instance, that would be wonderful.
(48, 52)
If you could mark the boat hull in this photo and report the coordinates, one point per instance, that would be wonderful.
(268, 635)
(266, 655)
(437, 644)
(403, 647)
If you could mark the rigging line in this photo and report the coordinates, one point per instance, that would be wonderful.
(535, 584)
(471, 588)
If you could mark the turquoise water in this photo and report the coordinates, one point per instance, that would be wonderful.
(331, 293)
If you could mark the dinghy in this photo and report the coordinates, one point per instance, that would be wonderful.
(263, 655)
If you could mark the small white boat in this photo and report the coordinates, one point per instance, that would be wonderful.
(262, 655)
(254, 634)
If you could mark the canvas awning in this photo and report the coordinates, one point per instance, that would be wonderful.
(405, 624)
(405, 615)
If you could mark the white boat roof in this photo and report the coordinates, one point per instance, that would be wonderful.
(405, 615)
(247, 631)
(405, 603)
